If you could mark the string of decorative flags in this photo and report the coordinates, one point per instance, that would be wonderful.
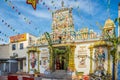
(28, 21)
(83, 20)
(44, 4)
(35, 2)
(18, 12)
(30, 2)
(78, 10)
(53, 3)
(22, 16)
(4, 34)
(8, 25)
(3, 40)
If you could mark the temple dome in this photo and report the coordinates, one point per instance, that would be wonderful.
(109, 23)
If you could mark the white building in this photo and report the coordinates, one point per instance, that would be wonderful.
(18, 48)
(4, 52)
(4, 57)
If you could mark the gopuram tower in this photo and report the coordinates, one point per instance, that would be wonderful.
(62, 25)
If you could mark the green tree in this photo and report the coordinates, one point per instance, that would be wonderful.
(115, 42)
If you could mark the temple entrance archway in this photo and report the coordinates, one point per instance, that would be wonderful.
(60, 62)
(62, 57)
(33, 59)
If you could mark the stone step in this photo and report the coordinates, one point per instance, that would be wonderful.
(59, 74)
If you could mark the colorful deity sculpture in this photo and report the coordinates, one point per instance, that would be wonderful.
(33, 60)
(99, 58)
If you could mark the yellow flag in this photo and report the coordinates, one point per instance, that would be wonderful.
(32, 2)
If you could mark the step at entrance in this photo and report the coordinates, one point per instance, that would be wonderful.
(61, 74)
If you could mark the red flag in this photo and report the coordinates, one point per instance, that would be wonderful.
(33, 3)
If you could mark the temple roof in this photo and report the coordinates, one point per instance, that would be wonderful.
(102, 43)
(109, 23)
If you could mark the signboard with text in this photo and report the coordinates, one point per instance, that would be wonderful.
(18, 38)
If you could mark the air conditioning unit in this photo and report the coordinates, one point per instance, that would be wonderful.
(15, 55)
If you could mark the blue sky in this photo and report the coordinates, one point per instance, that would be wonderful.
(85, 14)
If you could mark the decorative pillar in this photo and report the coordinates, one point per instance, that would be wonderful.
(38, 53)
(108, 66)
(28, 61)
(51, 57)
(71, 57)
(91, 54)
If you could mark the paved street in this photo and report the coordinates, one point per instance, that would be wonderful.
(57, 75)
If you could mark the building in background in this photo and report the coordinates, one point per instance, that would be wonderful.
(4, 56)
(18, 48)
(4, 52)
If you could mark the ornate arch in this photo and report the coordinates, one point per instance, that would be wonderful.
(34, 50)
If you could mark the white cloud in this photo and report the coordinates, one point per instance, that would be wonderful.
(41, 14)
(86, 6)
(19, 0)
(49, 3)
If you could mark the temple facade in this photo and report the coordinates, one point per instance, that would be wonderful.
(83, 51)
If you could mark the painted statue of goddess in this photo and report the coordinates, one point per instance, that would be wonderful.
(100, 58)
(99, 61)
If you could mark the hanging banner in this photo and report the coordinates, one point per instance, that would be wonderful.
(33, 3)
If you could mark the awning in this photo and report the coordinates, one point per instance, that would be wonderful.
(12, 61)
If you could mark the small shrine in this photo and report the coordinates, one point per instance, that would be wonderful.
(102, 59)
(33, 62)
